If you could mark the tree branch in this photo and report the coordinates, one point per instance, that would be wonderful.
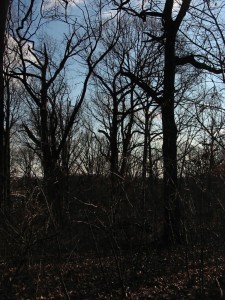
(150, 92)
(191, 59)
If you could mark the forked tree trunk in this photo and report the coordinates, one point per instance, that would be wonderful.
(52, 175)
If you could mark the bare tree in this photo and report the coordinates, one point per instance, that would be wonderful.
(173, 20)
(3, 17)
(41, 69)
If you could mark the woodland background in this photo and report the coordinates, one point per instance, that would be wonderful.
(112, 149)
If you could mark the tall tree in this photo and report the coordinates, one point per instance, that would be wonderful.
(41, 69)
(173, 19)
(118, 100)
(3, 17)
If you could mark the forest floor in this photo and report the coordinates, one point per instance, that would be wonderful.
(181, 273)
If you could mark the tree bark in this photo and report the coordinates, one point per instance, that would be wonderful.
(3, 17)
(145, 158)
(7, 158)
(170, 192)
(53, 177)
(114, 172)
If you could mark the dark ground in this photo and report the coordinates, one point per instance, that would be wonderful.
(91, 259)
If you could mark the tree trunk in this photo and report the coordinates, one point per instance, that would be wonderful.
(114, 163)
(3, 16)
(7, 185)
(145, 158)
(171, 200)
(52, 176)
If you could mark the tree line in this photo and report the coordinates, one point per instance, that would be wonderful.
(123, 90)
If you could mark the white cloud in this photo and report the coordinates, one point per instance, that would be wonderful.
(49, 4)
(109, 14)
(13, 58)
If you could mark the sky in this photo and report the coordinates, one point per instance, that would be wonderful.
(56, 30)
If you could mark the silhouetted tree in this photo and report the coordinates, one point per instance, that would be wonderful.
(173, 20)
(3, 17)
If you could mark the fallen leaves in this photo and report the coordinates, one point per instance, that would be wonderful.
(143, 276)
